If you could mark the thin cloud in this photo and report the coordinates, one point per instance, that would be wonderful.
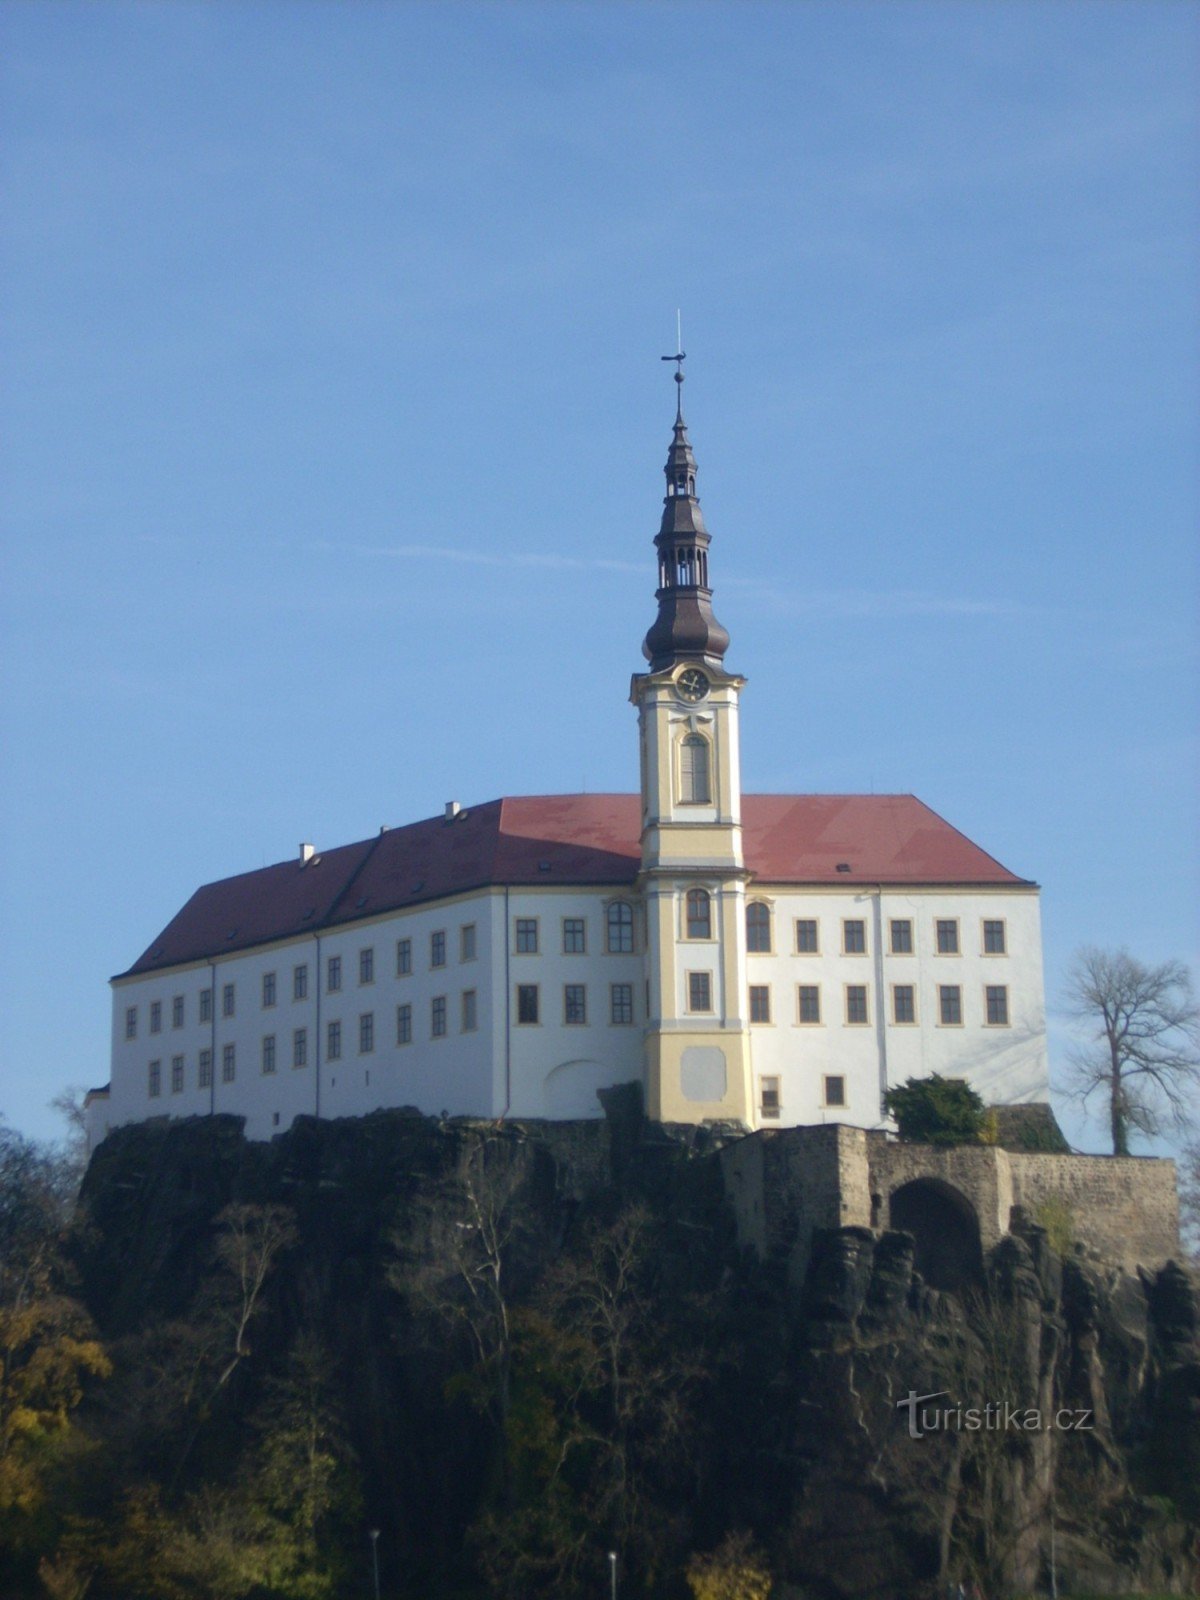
(483, 558)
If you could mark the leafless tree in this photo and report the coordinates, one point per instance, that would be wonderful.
(1143, 1058)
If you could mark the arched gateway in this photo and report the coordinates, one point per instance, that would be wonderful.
(945, 1227)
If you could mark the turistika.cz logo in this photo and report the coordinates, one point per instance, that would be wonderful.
(996, 1416)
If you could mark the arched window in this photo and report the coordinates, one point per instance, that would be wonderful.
(758, 927)
(693, 770)
(620, 928)
(699, 914)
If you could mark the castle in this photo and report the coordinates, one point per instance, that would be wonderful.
(766, 960)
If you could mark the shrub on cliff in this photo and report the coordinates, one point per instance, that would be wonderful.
(937, 1110)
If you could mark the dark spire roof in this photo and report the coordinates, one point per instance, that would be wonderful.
(685, 626)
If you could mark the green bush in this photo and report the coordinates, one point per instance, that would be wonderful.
(937, 1110)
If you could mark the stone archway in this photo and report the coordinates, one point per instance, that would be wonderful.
(945, 1226)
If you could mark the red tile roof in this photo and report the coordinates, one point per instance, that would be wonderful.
(563, 839)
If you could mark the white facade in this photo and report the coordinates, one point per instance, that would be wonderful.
(489, 1063)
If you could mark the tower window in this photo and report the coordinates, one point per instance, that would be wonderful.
(699, 991)
(699, 914)
(619, 926)
(693, 771)
(758, 928)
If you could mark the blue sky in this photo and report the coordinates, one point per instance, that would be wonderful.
(334, 425)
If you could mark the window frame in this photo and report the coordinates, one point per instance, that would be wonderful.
(951, 924)
(851, 993)
(404, 958)
(333, 975)
(178, 1011)
(404, 1023)
(575, 1000)
(993, 922)
(270, 990)
(803, 989)
(699, 977)
(760, 999)
(299, 1047)
(1000, 990)
(762, 926)
(229, 999)
(614, 1020)
(333, 1039)
(366, 965)
(840, 1104)
(439, 1017)
(529, 999)
(300, 982)
(695, 897)
(156, 1015)
(229, 1062)
(769, 1109)
(204, 1068)
(950, 997)
(623, 922)
(206, 1005)
(178, 1074)
(468, 942)
(906, 949)
(437, 949)
(131, 1022)
(366, 1033)
(578, 928)
(808, 922)
(267, 1054)
(154, 1080)
(469, 1011)
(687, 771)
(861, 924)
(911, 990)
(527, 936)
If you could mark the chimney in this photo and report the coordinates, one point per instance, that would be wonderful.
(452, 810)
(307, 851)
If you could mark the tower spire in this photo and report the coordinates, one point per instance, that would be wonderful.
(685, 627)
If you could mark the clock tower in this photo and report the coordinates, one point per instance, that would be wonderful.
(693, 875)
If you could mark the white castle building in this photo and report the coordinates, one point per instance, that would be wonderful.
(768, 959)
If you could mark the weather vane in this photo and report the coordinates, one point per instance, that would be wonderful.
(680, 355)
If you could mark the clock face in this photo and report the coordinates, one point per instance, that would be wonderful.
(692, 684)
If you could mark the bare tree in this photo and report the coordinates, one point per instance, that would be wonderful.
(1143, 1059)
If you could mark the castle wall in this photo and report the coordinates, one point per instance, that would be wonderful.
(785, 1184)
(1124, 1207)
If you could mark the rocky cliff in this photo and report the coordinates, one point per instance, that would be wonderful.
(542, 1342)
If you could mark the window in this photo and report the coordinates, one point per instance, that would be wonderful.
(268, 1052)
(574, 936)
(366, 1033)
(437, 948)
(333, 1041)
(760, 1002)
(300, 982)
(204, 1070)
(619, 927)
(901, 937)
(469, 1011)
(156, 1016)
(527, 936)
(699, 914)
(574, 1003)
(904, 1003)
(437, 1017)
(333, 974)
(206, 1005)
(768, 1099)
(403, 957)
(835, 1091)
(806, 936)
(854, 938)
(228, 1000)
(131, 1020)
(856, 1004)
(466, 942)
(699, 991)
(950, 1004)
(947, 936)
(404, 1024)
(229, 1063)
(693, 771)
(620, 997)
(758, 928)
(993, 939)
(527, 1002)
(366, 965)
(997, 1005)
(300, 1047)
(176, 1074)
(177, 1011)
(268, 990)
(155, 1079)
(810, 1002)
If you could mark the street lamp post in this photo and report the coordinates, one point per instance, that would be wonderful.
(373, 1535)
(612, 1567)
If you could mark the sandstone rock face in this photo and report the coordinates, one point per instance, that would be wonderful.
(1061, 1426)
